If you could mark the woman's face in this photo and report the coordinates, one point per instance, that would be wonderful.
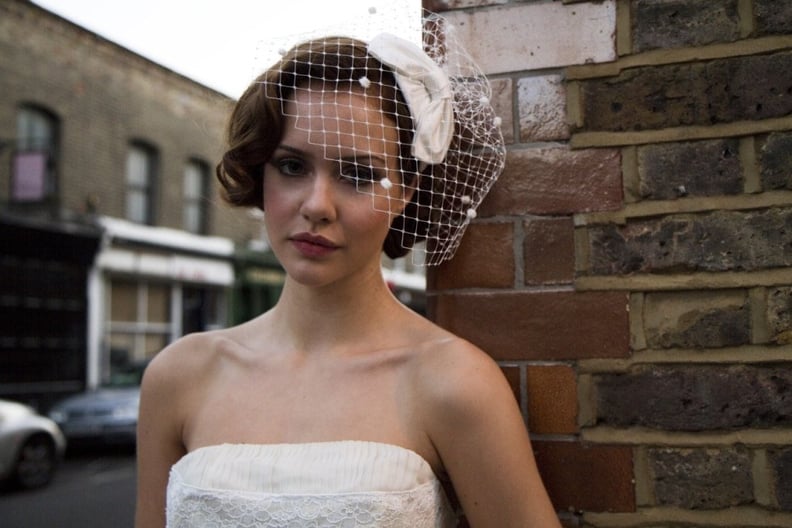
(327, 212)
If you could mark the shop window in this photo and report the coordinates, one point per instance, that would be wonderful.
(146, 315)
(195, 190)
(35, 159)
(138, 322)
(141, 170)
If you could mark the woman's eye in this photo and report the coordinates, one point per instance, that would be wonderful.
(358, 174)
(290, 167)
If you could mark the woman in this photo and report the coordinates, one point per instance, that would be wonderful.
(339, 406)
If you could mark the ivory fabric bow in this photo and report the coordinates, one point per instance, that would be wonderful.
(427, 90)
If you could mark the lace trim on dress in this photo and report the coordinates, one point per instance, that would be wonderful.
(417, 508)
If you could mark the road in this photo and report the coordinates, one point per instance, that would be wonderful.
(93, 490)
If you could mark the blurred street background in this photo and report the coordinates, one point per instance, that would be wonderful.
(91, 489)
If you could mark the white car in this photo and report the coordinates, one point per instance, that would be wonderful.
(31, 446)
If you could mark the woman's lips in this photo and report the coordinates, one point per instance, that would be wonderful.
(313, 245)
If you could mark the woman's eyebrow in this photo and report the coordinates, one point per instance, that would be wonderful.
(293, 150)
(370, 159)
(366, 158)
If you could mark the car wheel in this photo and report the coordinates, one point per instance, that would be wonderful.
(36, 462)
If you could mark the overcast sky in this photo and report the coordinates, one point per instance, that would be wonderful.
(223, 44)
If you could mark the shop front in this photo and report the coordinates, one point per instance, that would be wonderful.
(150, 286)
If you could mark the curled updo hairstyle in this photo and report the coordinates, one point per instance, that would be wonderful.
(256, 125)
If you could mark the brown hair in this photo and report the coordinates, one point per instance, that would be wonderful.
(256, 126)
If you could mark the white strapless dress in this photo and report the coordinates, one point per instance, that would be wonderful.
(346, 483)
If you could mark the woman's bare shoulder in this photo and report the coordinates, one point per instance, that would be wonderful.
(441, 349)
(193, 356)
(469, 413)
(452, 373)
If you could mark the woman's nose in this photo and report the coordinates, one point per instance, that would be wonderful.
(319, 202)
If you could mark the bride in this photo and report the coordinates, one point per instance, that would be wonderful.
(339, 406)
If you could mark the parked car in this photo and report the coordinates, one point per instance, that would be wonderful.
(105, 416)
(31, 446)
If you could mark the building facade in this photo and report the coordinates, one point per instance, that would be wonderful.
(114, 240)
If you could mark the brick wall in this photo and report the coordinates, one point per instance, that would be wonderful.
(632, 269)
(104, 97)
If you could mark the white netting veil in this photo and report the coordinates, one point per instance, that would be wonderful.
(411, 126)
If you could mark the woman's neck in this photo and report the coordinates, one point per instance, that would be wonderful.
(335, 315)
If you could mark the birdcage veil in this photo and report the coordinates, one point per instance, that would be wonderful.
(448, 148)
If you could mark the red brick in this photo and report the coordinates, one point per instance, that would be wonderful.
(585, 477)
(549, 251)
(552, 399)
(512, 375)
(485, 259)
(557, 181)
(537, 325)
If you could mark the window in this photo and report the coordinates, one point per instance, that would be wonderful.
(143, 316)
(35, 159)
(139, 320)
(196, 185)
(140, 183)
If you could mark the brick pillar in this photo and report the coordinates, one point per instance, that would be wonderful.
(631, 271)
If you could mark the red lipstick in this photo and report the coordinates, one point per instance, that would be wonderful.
(311, 245)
